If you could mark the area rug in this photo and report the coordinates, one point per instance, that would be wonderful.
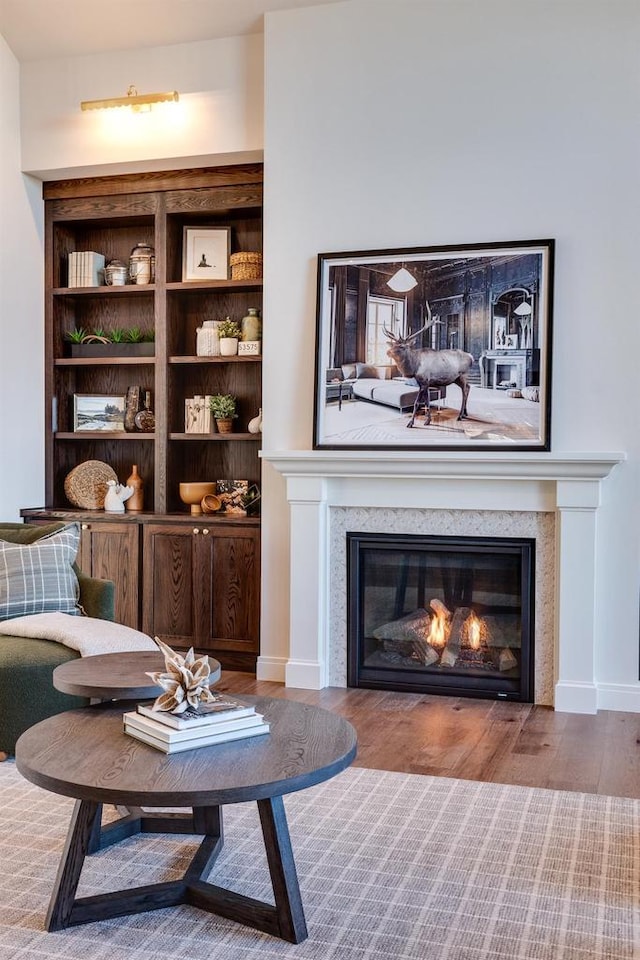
(390, 866)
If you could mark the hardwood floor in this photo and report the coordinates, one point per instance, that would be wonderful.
(478, 739)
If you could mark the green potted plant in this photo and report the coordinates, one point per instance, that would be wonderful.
(118, 342)
(223, 408)
(229, 334)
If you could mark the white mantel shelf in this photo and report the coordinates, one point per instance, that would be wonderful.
(567, 484)
(463, 465)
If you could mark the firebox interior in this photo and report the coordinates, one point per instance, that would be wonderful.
(449, 615)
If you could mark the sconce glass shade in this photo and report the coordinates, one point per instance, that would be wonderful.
(133, 99)
(402, 281)
(523, 309)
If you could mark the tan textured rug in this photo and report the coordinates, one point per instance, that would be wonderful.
(390, 866)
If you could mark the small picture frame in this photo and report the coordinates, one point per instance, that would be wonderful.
(233, 493)
(205, 253)
(98, 413)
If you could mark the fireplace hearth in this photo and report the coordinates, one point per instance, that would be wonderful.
(448, 615)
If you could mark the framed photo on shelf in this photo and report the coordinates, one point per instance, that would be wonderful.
(98, 413)
(435, 348)
(205, 253)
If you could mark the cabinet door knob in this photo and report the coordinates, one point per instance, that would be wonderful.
(205, 532)
(85, 526)
(195, 531)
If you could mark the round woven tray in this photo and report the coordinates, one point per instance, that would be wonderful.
(86, 485)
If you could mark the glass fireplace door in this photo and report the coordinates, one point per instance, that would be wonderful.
(450, 615)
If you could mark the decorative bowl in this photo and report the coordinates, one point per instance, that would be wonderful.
(192, 494)
(211, 503)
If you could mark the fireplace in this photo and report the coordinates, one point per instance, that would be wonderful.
(552, 497)
(441, 614)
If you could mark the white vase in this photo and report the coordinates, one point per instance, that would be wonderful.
(255, 425)
(228, 346)
(207, 340)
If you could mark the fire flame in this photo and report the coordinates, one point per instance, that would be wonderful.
(473, 629)
(438, 631)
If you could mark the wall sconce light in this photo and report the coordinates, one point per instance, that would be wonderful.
(402, 281)
(133, 99)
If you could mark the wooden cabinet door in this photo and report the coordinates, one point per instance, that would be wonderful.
(109, 550)
(168, 583)
(227, 574)
(201, 588)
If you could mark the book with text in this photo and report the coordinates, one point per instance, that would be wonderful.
(194, 742)
(222, 708)
(170, 735)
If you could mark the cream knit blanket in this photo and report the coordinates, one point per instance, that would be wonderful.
(87, 635)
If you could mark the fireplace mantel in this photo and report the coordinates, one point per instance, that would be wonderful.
(567, 484)
(388, 463)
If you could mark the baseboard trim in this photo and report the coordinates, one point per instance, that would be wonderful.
(623, 697)
(271, 668)
(576, 698)
(305, 674)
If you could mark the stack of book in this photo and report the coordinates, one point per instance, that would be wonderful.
(218, 722)
(86, 269)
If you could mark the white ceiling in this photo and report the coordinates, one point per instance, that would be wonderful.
(49, 29)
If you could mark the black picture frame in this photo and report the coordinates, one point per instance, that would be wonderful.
(492, 301)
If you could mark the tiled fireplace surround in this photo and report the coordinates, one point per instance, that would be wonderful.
(549, 497)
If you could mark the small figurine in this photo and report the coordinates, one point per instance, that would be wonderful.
(116, 496)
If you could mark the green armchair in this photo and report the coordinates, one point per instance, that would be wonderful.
(27, 694)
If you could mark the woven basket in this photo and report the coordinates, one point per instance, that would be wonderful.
(246, 266)
(86, 485)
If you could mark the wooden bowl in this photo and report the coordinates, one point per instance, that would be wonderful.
(211, 503)
(192, 494)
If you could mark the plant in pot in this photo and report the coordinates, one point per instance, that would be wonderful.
(112, 343)
(223, 408)
(229, 334)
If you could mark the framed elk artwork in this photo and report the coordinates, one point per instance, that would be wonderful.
(435, 348)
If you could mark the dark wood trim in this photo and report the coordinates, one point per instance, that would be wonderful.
(150, 182)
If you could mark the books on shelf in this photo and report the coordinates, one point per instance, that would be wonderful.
(219, 709)
(169, 740)
(86, 269)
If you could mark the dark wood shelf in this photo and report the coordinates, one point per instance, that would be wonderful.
(105, 435)
(128, 290)
(102, 361)
(219, 437)
(197, 286)
(193, 359)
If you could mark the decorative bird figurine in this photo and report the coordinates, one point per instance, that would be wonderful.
(115, 497)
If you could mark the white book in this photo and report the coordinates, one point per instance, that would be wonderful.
(89, 268)
(72, 279)
(169, 735)
(222, 708)
(195, 742)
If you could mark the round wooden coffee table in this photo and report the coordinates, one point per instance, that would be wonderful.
(122, 676)
(116, 676)
(85, 754)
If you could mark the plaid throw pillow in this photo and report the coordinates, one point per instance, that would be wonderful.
(39, 577)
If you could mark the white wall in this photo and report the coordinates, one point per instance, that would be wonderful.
(21, 327)
(418, 122)
(218, 118)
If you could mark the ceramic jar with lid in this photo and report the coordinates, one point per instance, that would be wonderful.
(142, 263)
(115, 273)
